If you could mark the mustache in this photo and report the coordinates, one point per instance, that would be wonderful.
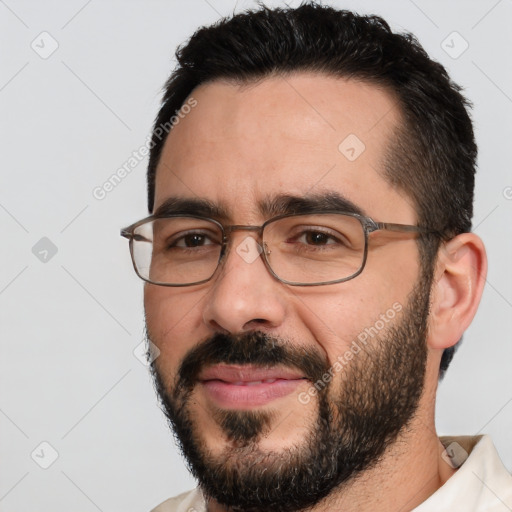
(255, 348)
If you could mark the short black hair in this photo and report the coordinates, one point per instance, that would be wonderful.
(432, 156)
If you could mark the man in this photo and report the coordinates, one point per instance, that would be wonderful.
(310, 268)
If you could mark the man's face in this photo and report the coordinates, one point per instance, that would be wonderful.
(239, 355)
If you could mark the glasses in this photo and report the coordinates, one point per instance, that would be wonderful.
(309, 249)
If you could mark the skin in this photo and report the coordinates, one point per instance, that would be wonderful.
(241, 144)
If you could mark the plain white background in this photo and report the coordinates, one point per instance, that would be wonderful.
(71, 306)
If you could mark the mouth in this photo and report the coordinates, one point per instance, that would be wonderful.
(245, 386)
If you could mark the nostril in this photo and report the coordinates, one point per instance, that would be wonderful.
(218, 328)
(256, 324)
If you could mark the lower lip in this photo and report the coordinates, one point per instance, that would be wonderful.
(235, 396)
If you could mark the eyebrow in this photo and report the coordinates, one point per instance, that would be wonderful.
(286, 204)
(269, 207)
(191, 206)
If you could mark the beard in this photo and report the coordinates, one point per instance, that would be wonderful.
(355, 420)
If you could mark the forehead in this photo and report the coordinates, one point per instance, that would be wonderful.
(298, 135)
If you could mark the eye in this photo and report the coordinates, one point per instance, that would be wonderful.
(316, 238)
(191, 240)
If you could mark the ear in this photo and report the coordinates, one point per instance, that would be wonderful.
(457, 287)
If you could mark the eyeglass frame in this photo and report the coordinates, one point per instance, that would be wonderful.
(367, 223)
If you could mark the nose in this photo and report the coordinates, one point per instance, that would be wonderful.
(244, 296)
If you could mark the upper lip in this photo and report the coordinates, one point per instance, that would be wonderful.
(247, 373)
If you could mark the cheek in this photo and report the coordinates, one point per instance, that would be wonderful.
(172, 319)
(334, 317)
(346, 313)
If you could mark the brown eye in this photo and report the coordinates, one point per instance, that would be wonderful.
(317, 238)
(193, 240)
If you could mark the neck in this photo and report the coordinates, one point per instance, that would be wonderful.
(406, 476)
(410, 471)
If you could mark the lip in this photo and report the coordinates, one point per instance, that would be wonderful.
(247, 373)
(245, 386)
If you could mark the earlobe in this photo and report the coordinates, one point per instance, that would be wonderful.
(457, 287)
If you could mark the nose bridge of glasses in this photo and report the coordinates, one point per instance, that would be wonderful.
(242, 227)
(228, 230)
(254, 248)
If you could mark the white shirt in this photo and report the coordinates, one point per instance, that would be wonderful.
(481, 484)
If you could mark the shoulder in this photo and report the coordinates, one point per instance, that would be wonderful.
(480, 484)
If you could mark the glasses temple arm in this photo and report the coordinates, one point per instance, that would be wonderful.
(403, 228)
